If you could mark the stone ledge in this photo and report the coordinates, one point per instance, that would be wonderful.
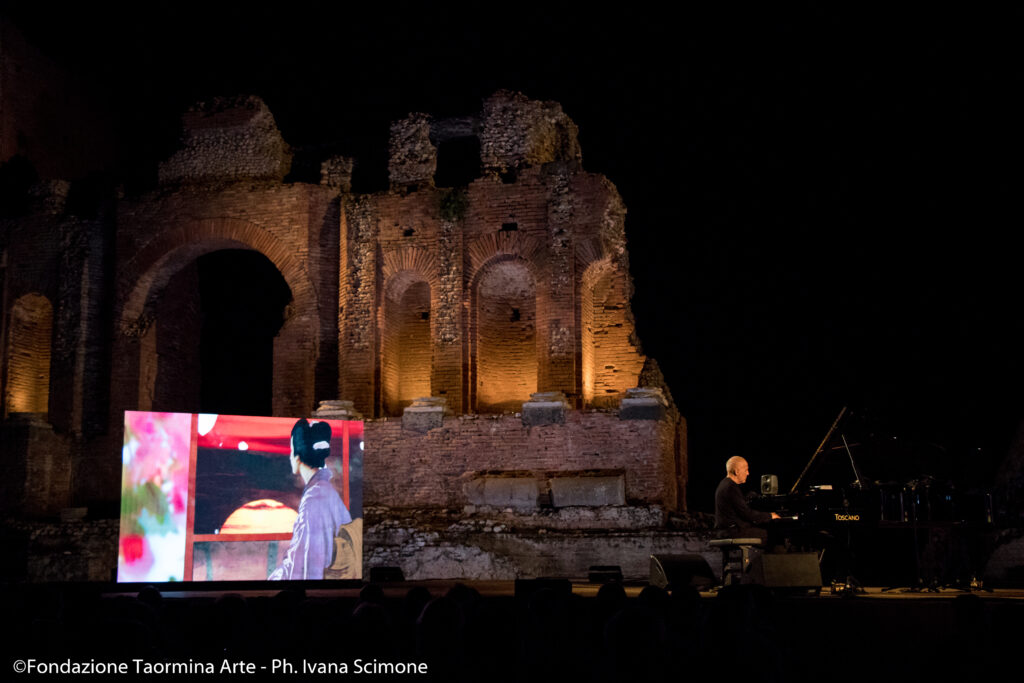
(502, 555)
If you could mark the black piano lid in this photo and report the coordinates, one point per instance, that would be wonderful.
(880, 456)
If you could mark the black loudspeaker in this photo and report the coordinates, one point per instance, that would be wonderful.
(524, 588)
(687, 569)
(604, 573)
(792, 571)
(386, 575)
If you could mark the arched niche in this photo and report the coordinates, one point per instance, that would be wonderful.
(504, 340)
(27, 356)
(146, 276)
(406, 348)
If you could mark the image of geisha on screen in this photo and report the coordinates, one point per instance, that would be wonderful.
(313, 546)
(276, 498)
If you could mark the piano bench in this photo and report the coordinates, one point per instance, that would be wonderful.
(737, 554)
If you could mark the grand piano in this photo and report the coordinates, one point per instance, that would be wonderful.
(879, 510)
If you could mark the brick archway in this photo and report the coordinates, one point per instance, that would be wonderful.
(296, 346)
(149, 270)
(406, 324)
(505, 340)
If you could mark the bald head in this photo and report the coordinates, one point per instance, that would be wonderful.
(736, 468)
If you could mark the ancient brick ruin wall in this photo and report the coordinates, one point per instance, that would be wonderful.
(283, 222)
(432, 469)
(163, 233)
(413, 291)
(482, 251)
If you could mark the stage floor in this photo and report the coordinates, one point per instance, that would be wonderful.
(581, 588)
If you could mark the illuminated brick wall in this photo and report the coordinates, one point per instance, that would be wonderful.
(407, 347)
(610, 358)
(506, 337)
(395, 475)
(526, 266)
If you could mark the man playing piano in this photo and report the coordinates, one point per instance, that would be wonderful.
(733, 517)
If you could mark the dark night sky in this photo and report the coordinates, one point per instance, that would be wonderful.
(821, 201)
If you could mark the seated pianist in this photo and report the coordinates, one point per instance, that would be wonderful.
(733, 517)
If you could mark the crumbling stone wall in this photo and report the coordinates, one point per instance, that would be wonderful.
(518, 132)
(412, 156)
(228, 139)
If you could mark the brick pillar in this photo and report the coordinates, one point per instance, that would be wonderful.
(357, 320)
(37, 475)
(558, 369)
(449, 328)
(295, 353)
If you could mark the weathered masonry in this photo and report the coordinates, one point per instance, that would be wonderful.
(476, 313)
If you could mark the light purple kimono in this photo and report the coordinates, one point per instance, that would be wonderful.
(321, 512)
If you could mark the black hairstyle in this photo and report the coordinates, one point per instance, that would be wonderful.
(308, 440)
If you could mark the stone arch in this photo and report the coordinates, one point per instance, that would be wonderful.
(505, 343)
(296, 346)
(485, 248)
(610, 360)
(27, 356)
(410, 260)
(161, 257)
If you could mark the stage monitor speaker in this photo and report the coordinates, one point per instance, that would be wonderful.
(386, 575)
(687, 569)
(795, 571)
(604, 573)
(524, 588)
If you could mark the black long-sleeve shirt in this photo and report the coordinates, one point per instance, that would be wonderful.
(731, 509)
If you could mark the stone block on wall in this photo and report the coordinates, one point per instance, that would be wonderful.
(503, 492)
(588, 491)
(424, 414)
(337, 410)
(643, 404)
(545, 408)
